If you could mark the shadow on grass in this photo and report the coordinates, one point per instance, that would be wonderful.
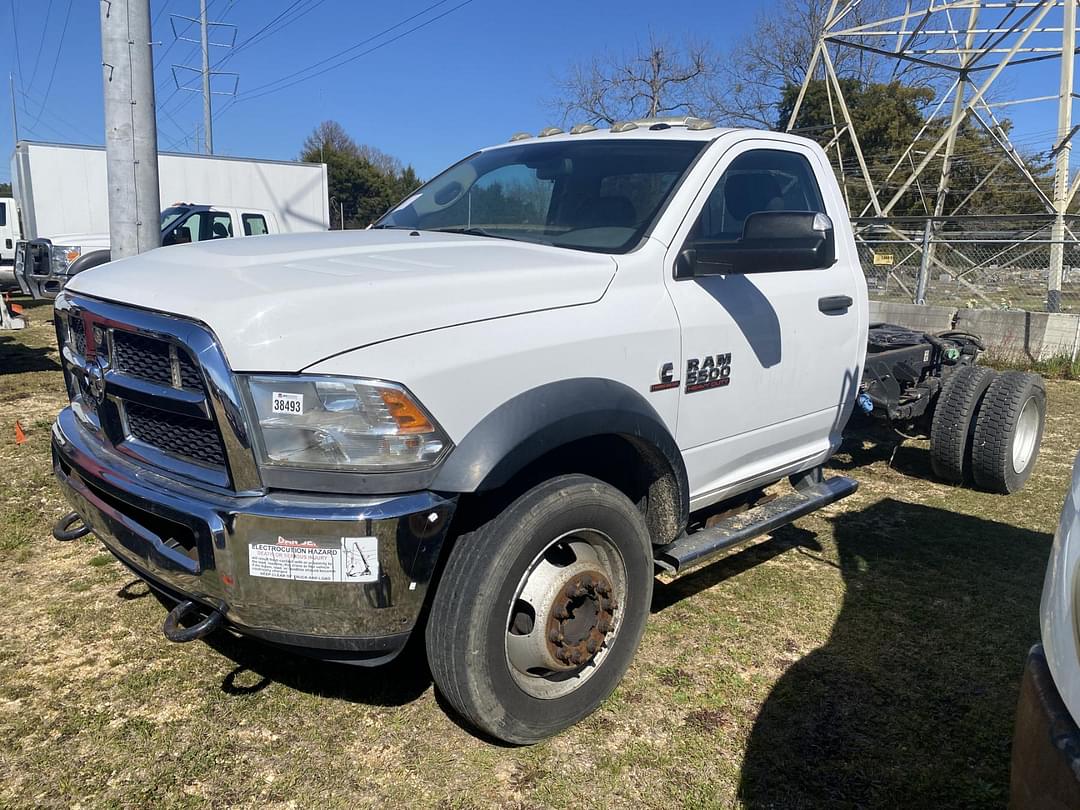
(911, 701)
(397, 683)
(16, 358)
(869, 443)
(666, 594)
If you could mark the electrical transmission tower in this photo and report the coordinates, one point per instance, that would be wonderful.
(963, 49)
(183, 75)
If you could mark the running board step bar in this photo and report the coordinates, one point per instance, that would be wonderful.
(755, 522)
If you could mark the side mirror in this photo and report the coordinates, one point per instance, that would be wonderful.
(168, 239)
(772, 242)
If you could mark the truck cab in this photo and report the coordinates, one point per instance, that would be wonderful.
(44, 266)
(534, 383)
(10, 233)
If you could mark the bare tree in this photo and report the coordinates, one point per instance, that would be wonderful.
(331, 136)
(655, 79)
(777, 54)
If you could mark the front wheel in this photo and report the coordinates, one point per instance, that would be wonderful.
(540, 611)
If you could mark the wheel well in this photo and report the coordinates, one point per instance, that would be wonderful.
(634, 467)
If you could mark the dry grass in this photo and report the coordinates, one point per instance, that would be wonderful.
(870, 655)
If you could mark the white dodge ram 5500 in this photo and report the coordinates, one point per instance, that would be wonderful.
(499, 409)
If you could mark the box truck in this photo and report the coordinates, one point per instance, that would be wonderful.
(62, 196)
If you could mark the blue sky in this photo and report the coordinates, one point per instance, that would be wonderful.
(469, 78)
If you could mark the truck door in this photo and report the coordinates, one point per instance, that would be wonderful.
(9, 223)
(770, 360)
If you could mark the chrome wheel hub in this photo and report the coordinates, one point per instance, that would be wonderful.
(1027, 432)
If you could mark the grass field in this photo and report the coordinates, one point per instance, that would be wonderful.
(870, 655)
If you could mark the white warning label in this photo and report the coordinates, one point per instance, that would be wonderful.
(355, 560)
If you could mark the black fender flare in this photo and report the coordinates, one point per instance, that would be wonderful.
(539, 420)
(94, 258)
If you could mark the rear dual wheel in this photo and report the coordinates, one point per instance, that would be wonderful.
(1008, 432)
(540, 611)
(953, 427)
(987, 428)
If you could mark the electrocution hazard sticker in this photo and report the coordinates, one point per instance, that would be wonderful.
(355, 560)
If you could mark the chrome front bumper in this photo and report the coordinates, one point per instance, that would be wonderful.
(190, 543)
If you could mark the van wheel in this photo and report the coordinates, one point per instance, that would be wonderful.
(539, 611)
(954, 420)
(1008, 431)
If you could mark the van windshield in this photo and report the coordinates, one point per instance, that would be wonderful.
(598, 195)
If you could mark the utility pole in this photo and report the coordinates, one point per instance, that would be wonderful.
(130, 127)
(1064, 150)
(14, 115)
(208, 124)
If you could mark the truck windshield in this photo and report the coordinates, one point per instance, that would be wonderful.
(598, 195)
(170, 215)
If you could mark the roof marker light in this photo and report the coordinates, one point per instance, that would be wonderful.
(581, 129)
(548, 131)
(623, 126)
(519, 136)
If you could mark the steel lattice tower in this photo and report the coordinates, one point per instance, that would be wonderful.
(967, 45)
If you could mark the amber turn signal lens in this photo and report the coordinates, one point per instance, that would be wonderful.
(409, 418)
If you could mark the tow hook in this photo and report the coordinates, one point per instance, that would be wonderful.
(62, 530)
(174, 632)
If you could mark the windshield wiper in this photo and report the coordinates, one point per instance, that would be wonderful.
(474, 232)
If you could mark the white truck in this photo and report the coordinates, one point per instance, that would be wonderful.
(565, 363)
(62, 194)
(1045, 768)
(10, 233)
(44, 266)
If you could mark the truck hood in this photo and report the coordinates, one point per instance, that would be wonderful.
(86, 241)
(282, 303)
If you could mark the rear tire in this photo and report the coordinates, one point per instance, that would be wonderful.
(565, 572)
(951, 431)
(1008, 431)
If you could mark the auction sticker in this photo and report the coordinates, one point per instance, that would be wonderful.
(356, 559)
(284, 402)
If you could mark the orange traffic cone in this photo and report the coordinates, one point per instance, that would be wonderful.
(20, 434)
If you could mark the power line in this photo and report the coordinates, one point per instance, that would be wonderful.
(157, 16)
(250, 40)
(41, 45)
(56, 61)
(289, 81)
(15, 39)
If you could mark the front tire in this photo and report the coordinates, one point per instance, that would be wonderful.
(540, 611)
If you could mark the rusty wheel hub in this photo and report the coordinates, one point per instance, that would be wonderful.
(582, 615)
(564, 617)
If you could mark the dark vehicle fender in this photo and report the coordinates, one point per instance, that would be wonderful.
(534, 423)
(93, 259)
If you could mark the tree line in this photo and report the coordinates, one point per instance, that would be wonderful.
(364, 182)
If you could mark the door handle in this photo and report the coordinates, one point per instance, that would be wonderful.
(834, 304)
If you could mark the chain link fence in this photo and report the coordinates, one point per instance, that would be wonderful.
(991, 262)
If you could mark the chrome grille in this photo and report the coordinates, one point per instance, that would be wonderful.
(135, 381)
(78, 335)
(179, 435)
(142, 357)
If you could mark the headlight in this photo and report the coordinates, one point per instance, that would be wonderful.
(61, 258)
(333, 423)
